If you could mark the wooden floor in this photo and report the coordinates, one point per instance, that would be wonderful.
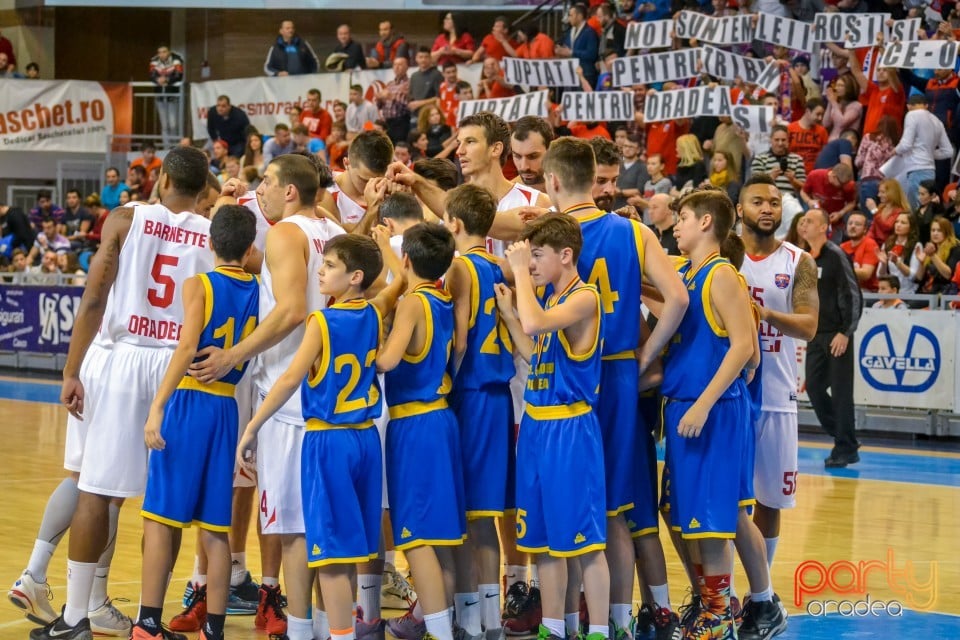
(896, 506)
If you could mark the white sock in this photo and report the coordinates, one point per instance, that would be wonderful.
(439, 625)
(556, 627)
(620, 615)
(534, 574)
(40, 559)
(572, 623)
(98, 594)
(598, 628)
(321, 625)
(368, 595)
(299, 628)
(79, 584)
(199, 581)
(467, 608)
(771, 544)
(238, 568)
(390, 558)
(661, 595)
(350, 635)
(418, 611)
(269, 581)
(733, 587)
(515, 573)
(490, 606)
(763, 596)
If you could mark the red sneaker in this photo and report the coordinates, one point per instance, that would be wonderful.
(194, 616)
(527, 619)
(270, 615)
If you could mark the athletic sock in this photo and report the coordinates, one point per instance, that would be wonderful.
(368, 594)
(771, 544)
(661, 595)
(58, 513)
(439, 625)
(515, 573)
(98, 593)
(554, 626)
(602, 629)
(196, 570)
(418, 611)
(732, 587)
(321, 624)
(149, 618)
(571, 622)
(467, 608)
(269, 581)
(200, 581)
(763, 596)
(716, 593)
(238, 568)
(299, 628)
(40, 559)
(490, 606)
(213, 628)
(620, 615)
(79, 584)
(342, 634)
(534, 575)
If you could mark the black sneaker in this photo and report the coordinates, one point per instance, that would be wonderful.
(515, 600)
(689, 611)
(244, 598)
(838, 461)
(167, 634)
(666, 624)
(60, 630)
(644, 627)
(762, 620)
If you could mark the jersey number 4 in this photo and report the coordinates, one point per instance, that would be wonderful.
(162, 297)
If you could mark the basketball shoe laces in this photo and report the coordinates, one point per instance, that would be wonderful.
(273, 603)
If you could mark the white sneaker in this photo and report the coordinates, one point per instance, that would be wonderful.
(396, 592)
(106, 620)
(34, 598)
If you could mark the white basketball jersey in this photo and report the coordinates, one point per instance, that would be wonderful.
(161, 251)
(249, 200)
(396, 243)
(351, 211)
(771, 282)
(273, 362)
(518, 196)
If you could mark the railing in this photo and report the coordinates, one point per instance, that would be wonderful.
(148, 109)
(913, 300)
(550, 20)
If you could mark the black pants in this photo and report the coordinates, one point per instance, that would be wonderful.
(398, 129)
(834, 409)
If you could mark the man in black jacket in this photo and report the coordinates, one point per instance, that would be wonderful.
(290, 55)
(228, 123)
(830, 355)
(14, 222)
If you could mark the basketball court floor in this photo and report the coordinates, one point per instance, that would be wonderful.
(870, 551)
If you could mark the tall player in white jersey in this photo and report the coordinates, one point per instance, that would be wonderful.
(783, 284)
(364, 162)
(146, 253)
(288, 293)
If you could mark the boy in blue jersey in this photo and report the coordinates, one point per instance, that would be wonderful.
(560, 515)
(706, 412)
(192, 429)
(424, 471)
(341, 456)
(483, 366)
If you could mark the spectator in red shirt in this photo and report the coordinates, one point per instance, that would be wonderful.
(148, 160)
(448, 101)
(662, 140)
(492, 83)
(807, 135)
(314, 117)
(453, 44)
(892, 203)
(862, 250)
(533, 44)
(885, 97)
(589, 130)
(833, 191)
(388, 47)
(497, 43)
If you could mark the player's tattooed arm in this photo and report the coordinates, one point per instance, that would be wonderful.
(100, 278)
(802, 323)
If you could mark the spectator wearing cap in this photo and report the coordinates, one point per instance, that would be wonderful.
(923, 142)
(943, 101)
(801, 64)
(351, 51)
(228, 123)
(581, 42)
(290, 55)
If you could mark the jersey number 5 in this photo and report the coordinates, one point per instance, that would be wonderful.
(162, 297)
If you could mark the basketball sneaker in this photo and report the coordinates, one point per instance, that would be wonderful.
(139, 633)
(736, 610)
(544, 634)
(33, 597)
(407, 627)
(528, 614)
(690, 610)
(270, 615)
(106, 620)
(188, 593)
(396, 592)
(60, 630)
(762, 620)
(194, 615)
(244, 598)
(494, 634)
(709, 625)
(373, 630)
(515, 599)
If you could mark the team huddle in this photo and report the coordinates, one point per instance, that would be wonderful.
(491, 374)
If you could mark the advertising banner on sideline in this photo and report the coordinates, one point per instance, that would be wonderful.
(37, 318)
(63, 115)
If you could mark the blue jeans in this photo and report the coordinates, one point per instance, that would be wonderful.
(914, 178)
(168, 111)
(869, 188)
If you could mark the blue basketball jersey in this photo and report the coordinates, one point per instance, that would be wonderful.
(488, 358)
(343, 389)
(231, 308)
(611, 260)
(557, 376)
(424, 377)
(699, 346)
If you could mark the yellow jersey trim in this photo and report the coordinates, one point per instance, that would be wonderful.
(428, 325)
(329, 561)
(237, 273)
(638, 240)
(708, 534)
(562, 336)
(612, 513)
(184, 525)
(315, 424)
(629, 354)
(524, 549)
(644, 532)
(474, 289)
(476, 515)
(207, 298)
(423, 542)
(555, 412)
(707, 306)
(317, 377)
(216, 388)
(416, 408)
(600, 546)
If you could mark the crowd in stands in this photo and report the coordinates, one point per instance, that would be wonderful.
(8, 63)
